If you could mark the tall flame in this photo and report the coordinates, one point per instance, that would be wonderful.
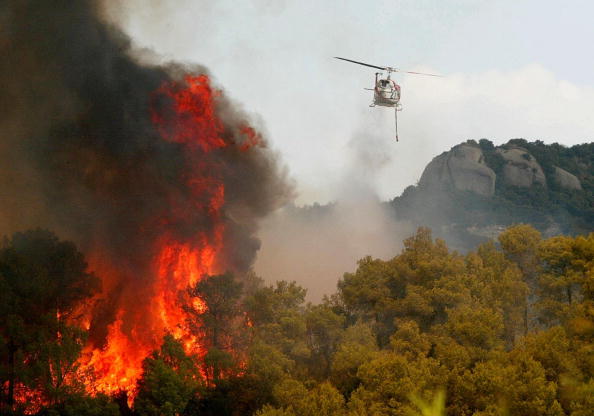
(177, 262)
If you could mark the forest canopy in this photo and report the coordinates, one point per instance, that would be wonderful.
(505, 329)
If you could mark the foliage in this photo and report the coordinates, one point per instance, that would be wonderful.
(43, 282)
(218, 321)
(357, 346)
(477, 327)
(82, 405)
(506, 329)
(169, 380)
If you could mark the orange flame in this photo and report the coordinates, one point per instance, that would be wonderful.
(142, 319)
(253, 138)
(194, 115)
(176, 263)
(31, 401)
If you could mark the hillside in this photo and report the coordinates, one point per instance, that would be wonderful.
(475, 190)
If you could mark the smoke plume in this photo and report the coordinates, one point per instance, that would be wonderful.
(314, 245)
(144, 166)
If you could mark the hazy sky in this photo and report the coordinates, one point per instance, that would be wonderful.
(513, 69)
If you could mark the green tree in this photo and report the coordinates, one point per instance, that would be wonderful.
(295, 399)
(44, 281)
(368, 294)
(409, 341)
(324, 330)
(412, 285)
(278, 347)
(389, 380)
(475, 326)
(83, 405)
(498, 283)
(278, 318)
(219, 320)
(553, 349)
(266, 367)
(514, 382)
(357, 346)
(520, 244)
(170, 379)
(580, 396)
(567, 277)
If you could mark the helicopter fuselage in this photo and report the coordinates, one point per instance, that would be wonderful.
(386, 92)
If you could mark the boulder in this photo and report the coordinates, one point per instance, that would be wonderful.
(463, 168)
(521, 168)
(567, 180)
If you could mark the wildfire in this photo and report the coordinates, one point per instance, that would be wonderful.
(253, 138)
(191, 121)
(31, 401)
(117, 366)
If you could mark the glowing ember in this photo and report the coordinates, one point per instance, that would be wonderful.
(30, 400)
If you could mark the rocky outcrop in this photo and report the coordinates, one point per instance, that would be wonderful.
(521, 168)
(463, 168)
(567, 180)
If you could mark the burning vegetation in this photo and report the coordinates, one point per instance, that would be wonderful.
(179, 262)
(159, 182)
(150, 169)
(501, 330)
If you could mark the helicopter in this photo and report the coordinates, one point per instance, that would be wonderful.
(386, 92)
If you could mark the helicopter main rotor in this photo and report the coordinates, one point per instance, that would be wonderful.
(388, 69)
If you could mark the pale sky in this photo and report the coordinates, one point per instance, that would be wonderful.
(512, 69)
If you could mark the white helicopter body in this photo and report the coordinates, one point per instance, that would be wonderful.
(386, 92)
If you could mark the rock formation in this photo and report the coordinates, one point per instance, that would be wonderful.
(567, 180)
(521, 168)
(464, 168)
(548, 186)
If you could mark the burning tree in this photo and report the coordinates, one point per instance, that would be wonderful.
(218, 320)
(43, 284)
(154, 173)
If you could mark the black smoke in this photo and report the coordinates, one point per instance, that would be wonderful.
(79, 153)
